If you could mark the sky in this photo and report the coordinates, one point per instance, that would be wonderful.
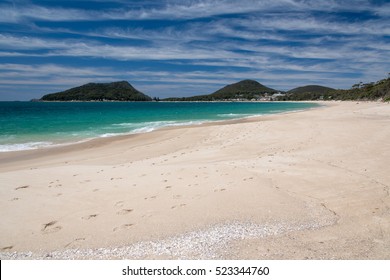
(174, 48)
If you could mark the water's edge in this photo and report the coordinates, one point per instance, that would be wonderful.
(143, 127)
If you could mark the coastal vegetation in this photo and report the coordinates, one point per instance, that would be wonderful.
(245, 90)
(379, 90)
(248, 90)
(115, 91)
(310, 92)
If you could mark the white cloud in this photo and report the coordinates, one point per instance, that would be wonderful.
(43, 70)
(179, 10)
(348, 56)
(168, 10)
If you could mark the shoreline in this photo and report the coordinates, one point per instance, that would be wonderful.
(52, 140)
(295, 185)
(100, 140)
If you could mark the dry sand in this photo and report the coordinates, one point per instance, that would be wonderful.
(312, 184)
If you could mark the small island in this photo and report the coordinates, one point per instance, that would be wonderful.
(115, 91)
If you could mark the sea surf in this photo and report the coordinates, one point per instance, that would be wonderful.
(32, 125)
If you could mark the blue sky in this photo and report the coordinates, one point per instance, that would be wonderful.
(182, 48)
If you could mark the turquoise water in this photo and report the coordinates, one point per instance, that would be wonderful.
(30, 125)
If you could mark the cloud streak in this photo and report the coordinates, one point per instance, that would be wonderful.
(181, 10)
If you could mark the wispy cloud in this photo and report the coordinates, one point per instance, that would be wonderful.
(180, 9)
(164, 10)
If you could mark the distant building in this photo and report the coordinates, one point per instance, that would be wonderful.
(276, 95)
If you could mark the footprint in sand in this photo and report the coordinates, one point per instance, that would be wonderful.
(119, 204)
(178, 206)
(22, 187)
(119, 178)
(147, 216)
(123, 227)
(250, 178)
(88, 217)
(15, 198)
(50, 227)
(168, 187)
(124, 211)
(75, 242)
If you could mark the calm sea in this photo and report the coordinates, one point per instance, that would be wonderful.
(30, 125)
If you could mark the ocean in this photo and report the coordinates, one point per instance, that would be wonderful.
(31, 125)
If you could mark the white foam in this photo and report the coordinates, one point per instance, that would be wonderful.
(24, 146)
(234, 115)
(105, 135)
(149, 126)
(133, 128)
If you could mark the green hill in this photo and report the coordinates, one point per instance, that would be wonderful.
(379, 90)
(309, 92)
(243, 90)
(310, 89)
(116, 91)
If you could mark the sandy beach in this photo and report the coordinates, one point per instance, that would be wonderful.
(303, 185)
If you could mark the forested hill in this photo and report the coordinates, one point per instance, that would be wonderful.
(379, 90)
(246, 90)
(115, 91)
(308, 92)
(243, 90)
